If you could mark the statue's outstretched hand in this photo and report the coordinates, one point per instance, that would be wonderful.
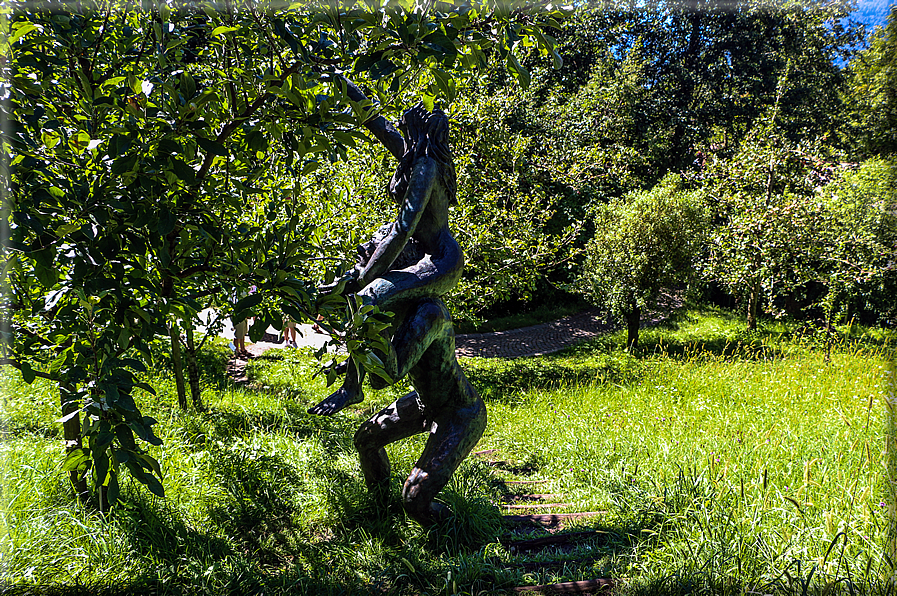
(344, 285)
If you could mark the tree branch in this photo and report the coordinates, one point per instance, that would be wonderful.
(16, 364)
(231, 126)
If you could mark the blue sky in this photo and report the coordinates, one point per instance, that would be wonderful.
(873, 13)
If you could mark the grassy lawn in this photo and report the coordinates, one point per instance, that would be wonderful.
(717, 461)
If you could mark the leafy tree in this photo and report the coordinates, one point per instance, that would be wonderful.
(860, 257)
(769, 230)
(506, 217)
(873, 91)
(673, 77)
(643, 243)
(149, 150)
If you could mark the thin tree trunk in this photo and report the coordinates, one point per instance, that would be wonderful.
(175, 335)
(71, 435)
(633, 322)
(753, 300)
(102, 491)
(193, 371)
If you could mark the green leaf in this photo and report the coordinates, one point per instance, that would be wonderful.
(518, 70)
(256, 140)
(210, 146)
(21, 30)
(28, 374)
(187, 85)
(257, 330)
(134, 363)
(66, 229)
(374, 365)
(100, 466)
(112, 488)
(382, 68)
(182, 170)
(145, 387)
(166, 223)
(168, 147)
(122, 456)
(309, 167)
(79, 141)
(556, 61)
(50, 138)
(150, 463)
(143, 429)
(75, 458)
(245, 304)
(154, 486)
(291, 310)
(123, 164)
(223, 29)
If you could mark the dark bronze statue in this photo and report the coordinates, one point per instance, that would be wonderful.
(406, 268)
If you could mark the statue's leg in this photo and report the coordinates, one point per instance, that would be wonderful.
(403, 418)
(427, 321)
(453, 435)
(349, 393)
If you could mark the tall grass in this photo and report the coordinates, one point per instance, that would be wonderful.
(718, 462)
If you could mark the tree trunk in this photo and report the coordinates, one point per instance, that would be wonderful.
(175, 335)
(753, 301)
(193, 372)
(71, 435)
(633, 322)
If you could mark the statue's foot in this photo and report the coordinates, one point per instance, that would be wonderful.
(336, 401)
(439, 512)
(433, 515)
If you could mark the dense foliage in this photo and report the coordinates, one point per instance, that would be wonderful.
(150, 153)
(644, 242)
(873, 92)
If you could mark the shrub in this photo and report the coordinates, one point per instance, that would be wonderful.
(643, 243)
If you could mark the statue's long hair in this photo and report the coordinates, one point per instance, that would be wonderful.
(426, 134)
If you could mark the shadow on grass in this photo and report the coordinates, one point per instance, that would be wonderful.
(259, 545)
(223, 424)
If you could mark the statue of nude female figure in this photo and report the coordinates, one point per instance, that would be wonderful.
(423, 343)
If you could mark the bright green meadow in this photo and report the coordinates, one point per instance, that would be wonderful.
(716, 461)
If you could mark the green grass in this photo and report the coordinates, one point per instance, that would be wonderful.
(720, 461)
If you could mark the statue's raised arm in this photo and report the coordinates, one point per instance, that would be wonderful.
(379, 126)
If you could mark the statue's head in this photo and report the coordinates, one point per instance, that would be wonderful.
(426, 134)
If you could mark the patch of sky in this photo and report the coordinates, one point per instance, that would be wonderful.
(873, 13)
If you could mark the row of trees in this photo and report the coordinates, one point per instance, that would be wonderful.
(779, 229)
(791, 206)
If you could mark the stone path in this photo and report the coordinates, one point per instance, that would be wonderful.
(554, 336)
(537, 340)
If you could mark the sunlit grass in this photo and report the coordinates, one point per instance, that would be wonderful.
(717, 460)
